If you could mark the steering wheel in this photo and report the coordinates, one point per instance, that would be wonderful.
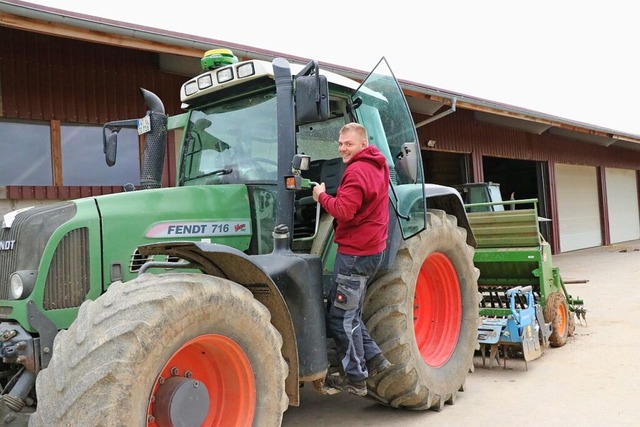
(264, 165)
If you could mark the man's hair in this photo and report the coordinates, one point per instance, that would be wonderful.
(355, 127)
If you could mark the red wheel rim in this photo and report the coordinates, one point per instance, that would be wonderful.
(562, 321)
(437, 311)
(223, 367)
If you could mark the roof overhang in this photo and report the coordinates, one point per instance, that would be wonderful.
(432, 99)
(173, 47)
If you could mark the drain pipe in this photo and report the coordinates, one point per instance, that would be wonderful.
(440, 115)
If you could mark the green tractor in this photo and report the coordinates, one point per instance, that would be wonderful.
(203, 304)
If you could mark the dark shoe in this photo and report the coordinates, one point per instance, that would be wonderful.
(359, 388)
(377, 365)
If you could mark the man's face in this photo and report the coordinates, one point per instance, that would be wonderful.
(350, 144)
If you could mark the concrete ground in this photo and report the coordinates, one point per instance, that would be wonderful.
(593, 380)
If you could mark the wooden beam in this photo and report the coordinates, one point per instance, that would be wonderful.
(56, 153)
(61, 30)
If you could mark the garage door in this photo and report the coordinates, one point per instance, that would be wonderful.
(622, 202)
(578, 207)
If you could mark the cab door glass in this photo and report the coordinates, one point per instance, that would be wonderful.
(379, 105)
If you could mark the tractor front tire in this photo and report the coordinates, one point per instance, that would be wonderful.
(557, 313)
(161, 348)
(424, 316)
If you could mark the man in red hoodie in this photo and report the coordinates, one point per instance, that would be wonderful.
(361, 216)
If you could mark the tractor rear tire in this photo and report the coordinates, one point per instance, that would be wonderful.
(557, 313)
(165, 347)
(424, 316)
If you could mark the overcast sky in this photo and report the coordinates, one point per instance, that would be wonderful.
(572, 59)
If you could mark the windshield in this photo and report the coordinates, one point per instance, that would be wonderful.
(233, 142)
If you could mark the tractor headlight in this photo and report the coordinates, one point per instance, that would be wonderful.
(205, 81)
(246, 70)
(225, 75)
(190, 88)
(22, 283)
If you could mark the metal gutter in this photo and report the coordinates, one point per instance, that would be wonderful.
(438, 116)
(493, 107)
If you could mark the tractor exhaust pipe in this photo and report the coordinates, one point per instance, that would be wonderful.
(286, 141)
(155, 142)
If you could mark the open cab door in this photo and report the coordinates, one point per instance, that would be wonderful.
(380, 106)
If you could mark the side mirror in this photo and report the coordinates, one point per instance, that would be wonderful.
(301, 162)
(408, 160)
(311, 95)
(110, 148)
(110, 142)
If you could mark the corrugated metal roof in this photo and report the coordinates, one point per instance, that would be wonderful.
(422, 98)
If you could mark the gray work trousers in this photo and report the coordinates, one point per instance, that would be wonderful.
(351, 275)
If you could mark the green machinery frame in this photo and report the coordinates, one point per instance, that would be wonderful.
(512, 252)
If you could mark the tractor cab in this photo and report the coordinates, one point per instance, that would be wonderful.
(239, 131)
(481, 192)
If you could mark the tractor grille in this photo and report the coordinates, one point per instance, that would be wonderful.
(68, 278)
(29, 233)
(8, 259)
(137, 260)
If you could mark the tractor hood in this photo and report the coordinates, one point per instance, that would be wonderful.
(218, 214)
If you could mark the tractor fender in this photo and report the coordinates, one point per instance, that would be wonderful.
(448, 199)
(437, 197)
(230, 263)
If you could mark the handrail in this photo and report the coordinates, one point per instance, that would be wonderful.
(504, 202)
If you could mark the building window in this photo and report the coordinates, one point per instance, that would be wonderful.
(83, 162)
(26, 153)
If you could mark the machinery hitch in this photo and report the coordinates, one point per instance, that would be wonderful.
(523, 330)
